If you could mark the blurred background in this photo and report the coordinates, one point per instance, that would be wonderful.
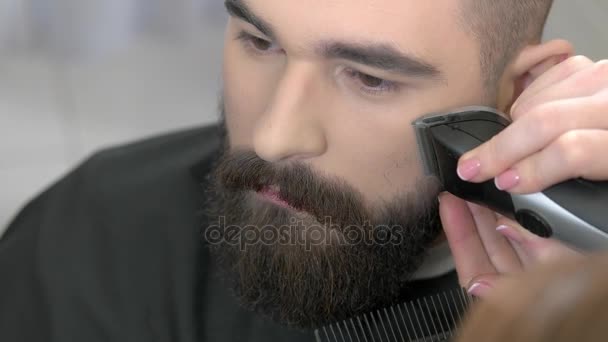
(79, 75)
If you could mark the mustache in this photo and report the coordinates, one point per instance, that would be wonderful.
(298, 184)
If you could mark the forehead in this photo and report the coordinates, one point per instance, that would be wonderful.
(415, 25)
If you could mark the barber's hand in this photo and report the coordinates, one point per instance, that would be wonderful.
(486, 246)
(559, 132)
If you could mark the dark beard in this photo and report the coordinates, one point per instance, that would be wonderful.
(327, 258)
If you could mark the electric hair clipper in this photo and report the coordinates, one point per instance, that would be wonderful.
(575, 211)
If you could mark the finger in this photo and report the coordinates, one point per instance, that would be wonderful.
(482, 285)
(586, 81)
(465, 243)
(501, 222)
(519, 238)
(575, 154)
(534, 249)
(554, 75)
(499, 250)
(532, 133)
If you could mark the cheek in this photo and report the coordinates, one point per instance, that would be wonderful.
(386, 160)
(379, 146)
(379, 150)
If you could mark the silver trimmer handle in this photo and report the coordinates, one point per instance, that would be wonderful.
(575, 212)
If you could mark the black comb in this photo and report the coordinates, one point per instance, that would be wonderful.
(427, 319)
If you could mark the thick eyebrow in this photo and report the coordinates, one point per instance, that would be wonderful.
(375, 55)
(381, 56)
(239, 9)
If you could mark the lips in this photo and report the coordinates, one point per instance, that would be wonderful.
(272, 194)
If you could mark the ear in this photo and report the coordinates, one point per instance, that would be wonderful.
(531, 62)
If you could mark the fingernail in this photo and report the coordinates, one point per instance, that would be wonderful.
(507, 180)
(510, 233)
(502, 227)
(468, 169)
(479, 289)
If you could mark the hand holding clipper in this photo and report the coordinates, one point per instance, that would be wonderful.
(575, 211)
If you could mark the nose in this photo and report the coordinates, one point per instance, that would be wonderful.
(291, 127)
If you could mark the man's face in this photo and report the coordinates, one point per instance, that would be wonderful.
(317, 90)
(319, 97)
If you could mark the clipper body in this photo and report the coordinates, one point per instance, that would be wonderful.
(575, 211)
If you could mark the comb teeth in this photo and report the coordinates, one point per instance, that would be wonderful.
(427, 319)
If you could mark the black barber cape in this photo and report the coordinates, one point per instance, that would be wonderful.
(113, 252)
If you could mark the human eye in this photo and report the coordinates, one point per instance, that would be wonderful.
(257, 45)
(371, 85)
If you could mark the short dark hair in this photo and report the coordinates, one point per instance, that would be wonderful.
(502, 29)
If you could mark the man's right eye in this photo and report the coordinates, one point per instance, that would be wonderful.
(257, 45)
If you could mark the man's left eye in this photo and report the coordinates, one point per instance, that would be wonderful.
(371, 84)
(371, 81)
